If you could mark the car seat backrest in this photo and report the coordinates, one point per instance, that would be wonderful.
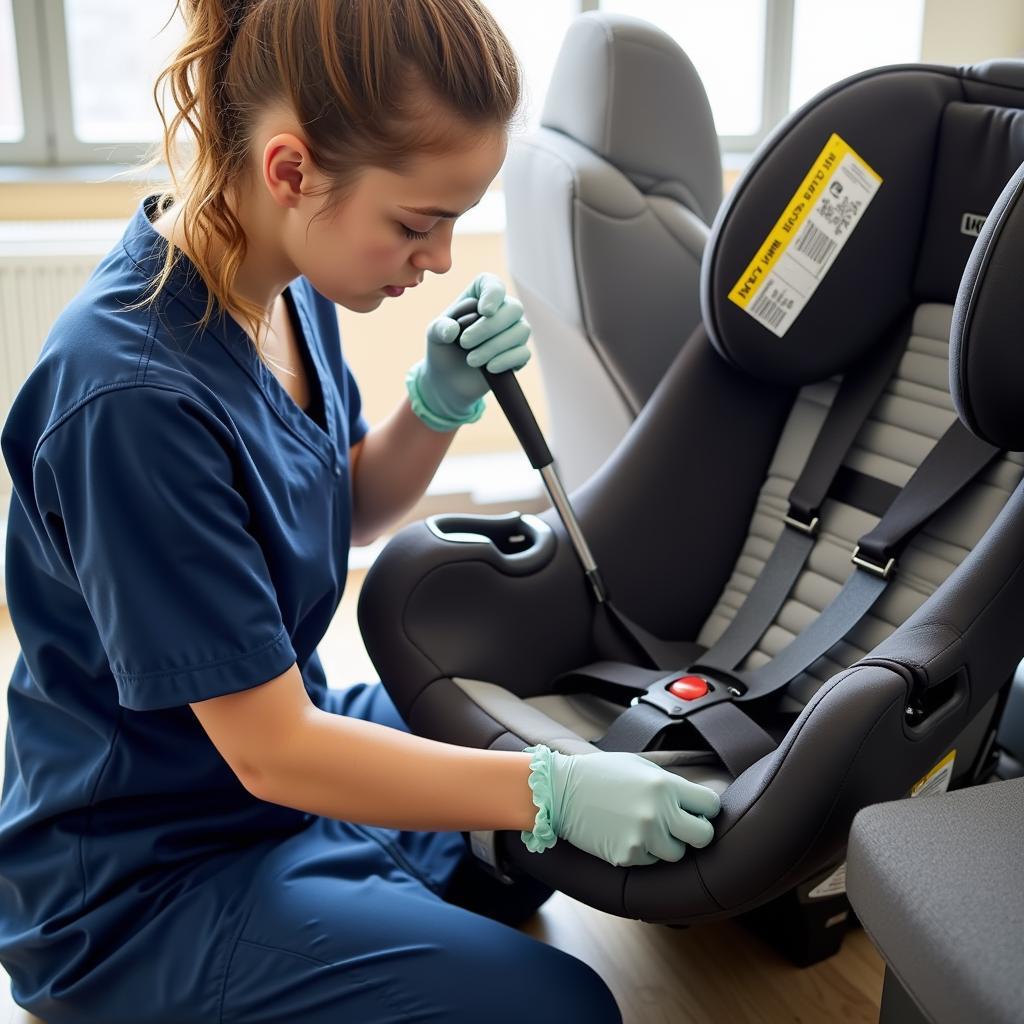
(943, 160)
(609, 203)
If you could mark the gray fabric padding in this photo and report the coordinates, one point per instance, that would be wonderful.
(938, 882)
(687, 228)
(633, 75)
(569, 722)
(907, 420)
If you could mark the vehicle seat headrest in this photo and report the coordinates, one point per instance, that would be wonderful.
(617, 75)
(986, 355)
(786, 225)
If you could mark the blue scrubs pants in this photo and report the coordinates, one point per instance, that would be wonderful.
(339, 924)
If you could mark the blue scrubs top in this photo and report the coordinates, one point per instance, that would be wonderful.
(179, 530)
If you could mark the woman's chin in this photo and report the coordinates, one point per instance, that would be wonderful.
(361, 303)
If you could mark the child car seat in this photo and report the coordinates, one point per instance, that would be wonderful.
(737, 499)
(606, 224)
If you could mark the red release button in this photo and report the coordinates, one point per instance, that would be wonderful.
(688, 687)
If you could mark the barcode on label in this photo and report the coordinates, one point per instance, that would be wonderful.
(815, 244)
(768, 310)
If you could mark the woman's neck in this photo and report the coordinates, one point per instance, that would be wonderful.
(264, 272)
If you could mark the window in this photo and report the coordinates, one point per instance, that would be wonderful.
(12, 125)
(537, 51)
(101, 62)
(818, 61)
(76, 76)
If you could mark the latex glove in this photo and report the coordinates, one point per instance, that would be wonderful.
(617, 806)
(447, 388)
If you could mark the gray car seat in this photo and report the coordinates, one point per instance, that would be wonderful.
(482, 628)
(608, 206)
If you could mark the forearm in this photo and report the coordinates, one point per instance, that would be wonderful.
(347, 768)
(398, 460)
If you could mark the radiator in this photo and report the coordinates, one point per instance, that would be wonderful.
(42, 265)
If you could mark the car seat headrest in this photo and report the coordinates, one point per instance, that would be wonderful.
(986, 355)
(633, 75)
(855, 210)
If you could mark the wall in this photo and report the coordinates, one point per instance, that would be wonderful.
(967, 33)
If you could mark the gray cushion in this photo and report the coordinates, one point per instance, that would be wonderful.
(938, 882)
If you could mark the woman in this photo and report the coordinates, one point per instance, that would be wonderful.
(193, 827)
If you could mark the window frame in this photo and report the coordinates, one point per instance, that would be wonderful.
(33, 147)
(40, 33)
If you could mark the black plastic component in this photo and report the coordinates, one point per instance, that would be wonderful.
(509, 395)
(659, 695)
(803, 928)
(514, 543)
(927, 704)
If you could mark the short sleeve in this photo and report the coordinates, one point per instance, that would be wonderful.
(136, 487)
(358, 426)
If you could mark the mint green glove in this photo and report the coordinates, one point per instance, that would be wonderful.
(618, 806)
(446, 389)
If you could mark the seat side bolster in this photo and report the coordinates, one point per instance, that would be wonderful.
(966, 621)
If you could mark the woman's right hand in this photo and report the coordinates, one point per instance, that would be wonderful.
(623, 808)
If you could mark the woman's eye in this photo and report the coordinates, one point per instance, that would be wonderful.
(409, 233)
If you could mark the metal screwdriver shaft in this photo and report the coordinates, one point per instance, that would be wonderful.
(513, 402)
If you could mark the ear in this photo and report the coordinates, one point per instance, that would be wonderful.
(288, 169)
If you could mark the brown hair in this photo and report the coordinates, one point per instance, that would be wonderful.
(361, 77)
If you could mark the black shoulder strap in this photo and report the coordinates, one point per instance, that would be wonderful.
(860, 390)
(953, 462)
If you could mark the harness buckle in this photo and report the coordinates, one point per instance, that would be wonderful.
(678, 701)
(879, 570)
(798, 524)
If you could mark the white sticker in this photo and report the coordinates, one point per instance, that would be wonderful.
(937, 780)
(832, 886)
(807, 238)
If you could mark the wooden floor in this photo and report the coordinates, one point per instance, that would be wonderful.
(705, 975)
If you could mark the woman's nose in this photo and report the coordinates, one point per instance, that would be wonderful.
(435, 257)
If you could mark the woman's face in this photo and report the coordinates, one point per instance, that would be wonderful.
(373, 239)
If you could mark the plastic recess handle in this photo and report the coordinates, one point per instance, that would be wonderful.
(509, 395)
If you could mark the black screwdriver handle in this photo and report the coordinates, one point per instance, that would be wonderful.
(509, 395)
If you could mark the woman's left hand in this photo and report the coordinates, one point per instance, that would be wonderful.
(448, 380)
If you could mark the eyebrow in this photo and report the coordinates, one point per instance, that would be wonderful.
(433, 211)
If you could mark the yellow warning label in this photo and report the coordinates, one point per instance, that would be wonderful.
(819, 218)
(937, 780)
